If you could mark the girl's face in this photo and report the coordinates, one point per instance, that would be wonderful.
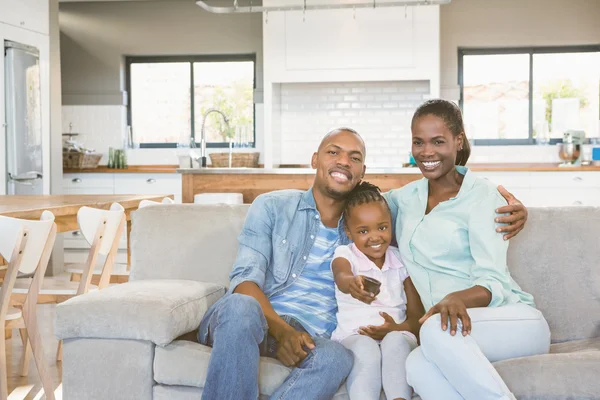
(369, 226)
(434, 147)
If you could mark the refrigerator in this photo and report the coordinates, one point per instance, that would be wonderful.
(23, 120)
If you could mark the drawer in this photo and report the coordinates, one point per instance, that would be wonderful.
(557, 197)
(88, 180)
(507, 179)
(75, 240)
(80, 256)
(168, 184)
(561, 180)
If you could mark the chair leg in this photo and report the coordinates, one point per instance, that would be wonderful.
(26, 356)
(59, 351)
(35, 339)
(3, 371)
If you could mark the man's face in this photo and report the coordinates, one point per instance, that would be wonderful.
(339, 163)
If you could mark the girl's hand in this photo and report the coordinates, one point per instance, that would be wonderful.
(357, 290)
(379, 332)
(454, 308)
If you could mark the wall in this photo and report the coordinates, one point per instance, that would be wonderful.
(96, 35)
(512, 23)
(380, 111)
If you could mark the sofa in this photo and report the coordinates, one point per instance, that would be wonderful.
(136, 340)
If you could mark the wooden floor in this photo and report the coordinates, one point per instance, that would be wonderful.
(29, 387)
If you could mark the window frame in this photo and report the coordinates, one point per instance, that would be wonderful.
(190, 59)
(531, 51)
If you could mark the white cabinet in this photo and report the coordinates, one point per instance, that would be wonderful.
(167, 184)
(27, 14)
(550, 189)
(88, 183)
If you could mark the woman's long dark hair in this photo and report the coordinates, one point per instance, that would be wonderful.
(452, 116)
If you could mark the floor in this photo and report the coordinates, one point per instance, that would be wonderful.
(29, 387)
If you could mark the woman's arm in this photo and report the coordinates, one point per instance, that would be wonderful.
(349, 283)
(489, 272)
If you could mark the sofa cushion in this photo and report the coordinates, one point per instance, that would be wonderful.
(576, 346)
(185, 363)
(553, 376)
(193, 393)
(158, 311)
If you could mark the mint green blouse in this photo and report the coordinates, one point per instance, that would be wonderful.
(455, 246)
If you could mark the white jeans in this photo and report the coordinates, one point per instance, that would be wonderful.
(379, 364)
(459, 367)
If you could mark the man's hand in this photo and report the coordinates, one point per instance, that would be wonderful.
(516, 218)
(452, 307)
(379, 332)
(290, 349)
(357, 290)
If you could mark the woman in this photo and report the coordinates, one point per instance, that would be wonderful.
(475, 312)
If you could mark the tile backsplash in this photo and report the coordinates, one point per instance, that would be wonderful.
(380, 111)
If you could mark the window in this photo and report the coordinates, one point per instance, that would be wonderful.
(169, 96)
(529, 95)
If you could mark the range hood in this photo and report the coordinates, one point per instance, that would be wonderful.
(303, 5)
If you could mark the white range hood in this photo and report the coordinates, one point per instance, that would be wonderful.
(378, 45)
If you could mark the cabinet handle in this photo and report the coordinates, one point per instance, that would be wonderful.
(76, 233)
(578, 178)
(151, 180)
(76, 180)
(22, 23)
(577, 203)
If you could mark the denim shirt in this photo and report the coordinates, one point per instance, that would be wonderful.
(278, 235)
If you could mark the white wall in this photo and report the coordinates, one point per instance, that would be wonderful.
(512, 23)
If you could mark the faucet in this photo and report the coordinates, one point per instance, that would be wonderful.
(202, 159)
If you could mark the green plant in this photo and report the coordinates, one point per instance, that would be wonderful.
(235, 101)
(561, 89)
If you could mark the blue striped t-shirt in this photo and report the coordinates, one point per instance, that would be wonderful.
(311, 298)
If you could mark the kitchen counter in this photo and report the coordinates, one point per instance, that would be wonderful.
(143, 169)
(252, 182)
(405, 170)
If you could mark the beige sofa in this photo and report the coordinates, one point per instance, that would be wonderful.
(122, 342)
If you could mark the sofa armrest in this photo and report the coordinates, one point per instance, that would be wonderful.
(154, 310)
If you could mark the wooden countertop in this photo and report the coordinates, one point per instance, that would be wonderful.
(142, 169)
(169, 169)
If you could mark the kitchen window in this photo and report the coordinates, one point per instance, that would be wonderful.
(529, 95)
(169, 96)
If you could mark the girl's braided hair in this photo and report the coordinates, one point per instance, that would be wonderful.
(363, 193)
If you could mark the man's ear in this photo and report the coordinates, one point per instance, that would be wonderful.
(313, 161)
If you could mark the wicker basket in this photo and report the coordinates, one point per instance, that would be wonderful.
(221, 160)
(76, 160)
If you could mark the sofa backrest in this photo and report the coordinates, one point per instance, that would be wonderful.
(556, 257)
(185, 241)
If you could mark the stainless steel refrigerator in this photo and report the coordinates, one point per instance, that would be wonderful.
(23, 119)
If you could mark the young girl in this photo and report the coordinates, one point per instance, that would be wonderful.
(378, 326)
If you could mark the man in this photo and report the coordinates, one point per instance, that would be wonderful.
(281, 300)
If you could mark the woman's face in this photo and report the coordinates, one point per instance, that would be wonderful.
(434, 147)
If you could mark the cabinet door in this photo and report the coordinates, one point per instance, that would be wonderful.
(27, 14)
(162, 184)
(564, 197)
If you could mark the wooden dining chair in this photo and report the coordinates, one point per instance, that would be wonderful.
(27, 246)
(102, 229)
(120, 271)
